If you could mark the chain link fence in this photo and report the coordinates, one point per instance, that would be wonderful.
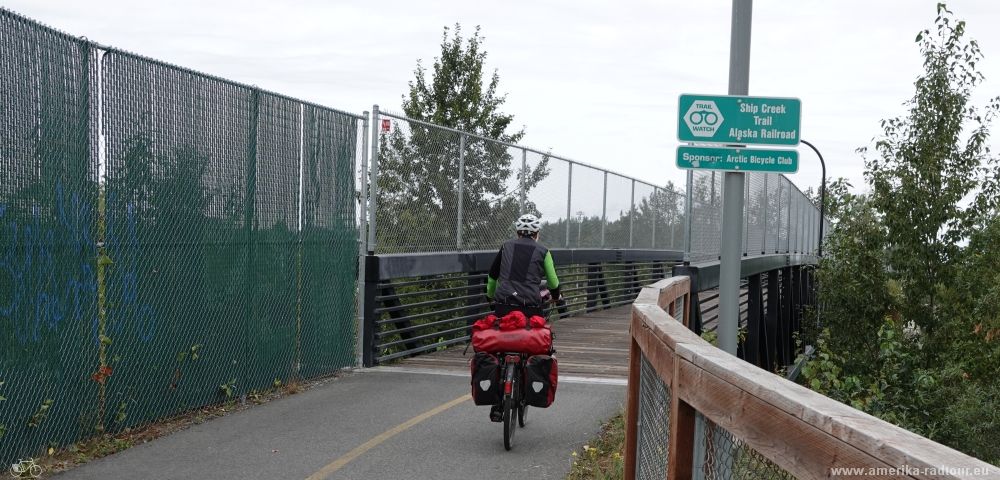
(168, 239)
(778, 217)
(440, 189)
(722, 456)
(652, 455)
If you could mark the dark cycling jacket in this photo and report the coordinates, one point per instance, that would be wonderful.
(517, 273)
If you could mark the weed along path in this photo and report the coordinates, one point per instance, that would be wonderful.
(392, 423)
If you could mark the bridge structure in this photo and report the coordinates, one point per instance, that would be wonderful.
(170, 240)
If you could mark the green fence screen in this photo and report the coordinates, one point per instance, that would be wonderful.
(167, 239)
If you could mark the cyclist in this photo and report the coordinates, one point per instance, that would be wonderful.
(518, 270)
(516, 275)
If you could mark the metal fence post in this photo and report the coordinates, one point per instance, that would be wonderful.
(604, 210)
(763, 231)
(461, 191)
(631, 216)
(746, 212)
(370, 292)
(524, 175)
(673, 220)
(373, 181)
(799, 223)
(569, 202)
(362, 241)
(688, 207)
(656, 214)
(777, 234)
(788, 220)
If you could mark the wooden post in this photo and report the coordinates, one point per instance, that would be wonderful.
(682, 418)
(632, 410)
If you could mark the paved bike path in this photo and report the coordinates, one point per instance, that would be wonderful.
(380, 423)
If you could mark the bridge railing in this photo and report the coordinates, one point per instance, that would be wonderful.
(694, 411)
(418, 303)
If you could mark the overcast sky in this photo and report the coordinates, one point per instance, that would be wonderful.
(595, 81)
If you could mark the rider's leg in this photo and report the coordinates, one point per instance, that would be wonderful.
(496, 413)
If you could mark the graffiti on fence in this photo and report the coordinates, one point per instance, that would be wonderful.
(49, 263)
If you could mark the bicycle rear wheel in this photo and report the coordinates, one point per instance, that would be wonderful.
(510, 407)
(509, 422)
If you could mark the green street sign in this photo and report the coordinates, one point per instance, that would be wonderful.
(738, 159)
(740, 120)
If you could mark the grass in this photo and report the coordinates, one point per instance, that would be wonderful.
(602, 458)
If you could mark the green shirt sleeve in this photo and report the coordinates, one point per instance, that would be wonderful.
(550, 271)
(491, 287)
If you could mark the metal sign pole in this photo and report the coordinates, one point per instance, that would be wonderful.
(732, 207)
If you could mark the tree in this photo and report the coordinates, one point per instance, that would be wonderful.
(911, 306)
(838, 198)
(420, 166)
(923, 167)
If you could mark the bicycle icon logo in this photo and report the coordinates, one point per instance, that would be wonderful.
(707, 117)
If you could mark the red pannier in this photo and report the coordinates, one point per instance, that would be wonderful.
(512, 333)
(541, 374)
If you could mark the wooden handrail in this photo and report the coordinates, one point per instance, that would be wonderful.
(803, 432)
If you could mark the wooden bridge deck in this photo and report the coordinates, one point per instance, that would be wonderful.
(592, 345)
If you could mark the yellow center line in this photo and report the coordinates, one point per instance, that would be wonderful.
(339, 463)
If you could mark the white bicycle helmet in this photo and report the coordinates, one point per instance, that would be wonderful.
(528, 223)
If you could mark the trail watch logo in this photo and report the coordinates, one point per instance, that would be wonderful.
(703, 118)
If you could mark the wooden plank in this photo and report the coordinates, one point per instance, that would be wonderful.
(670, 331)
(648, 295)
(659, 355)
(797, 447)
(672, 289)
(890, 443)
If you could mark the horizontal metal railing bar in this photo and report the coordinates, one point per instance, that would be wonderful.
(624, 265)
(430, 264)
(464, 318)
(619, 277)
(560, 271)
(436, 301)
(624, 299)
(595, 290)
(632, 282)
(381, 298)
(458, 277)
(613, 297)
(410, 353)
(614, 300)
(622, 281)
(708, 272)
(427, 314)
(423, 337)
(607, 267)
